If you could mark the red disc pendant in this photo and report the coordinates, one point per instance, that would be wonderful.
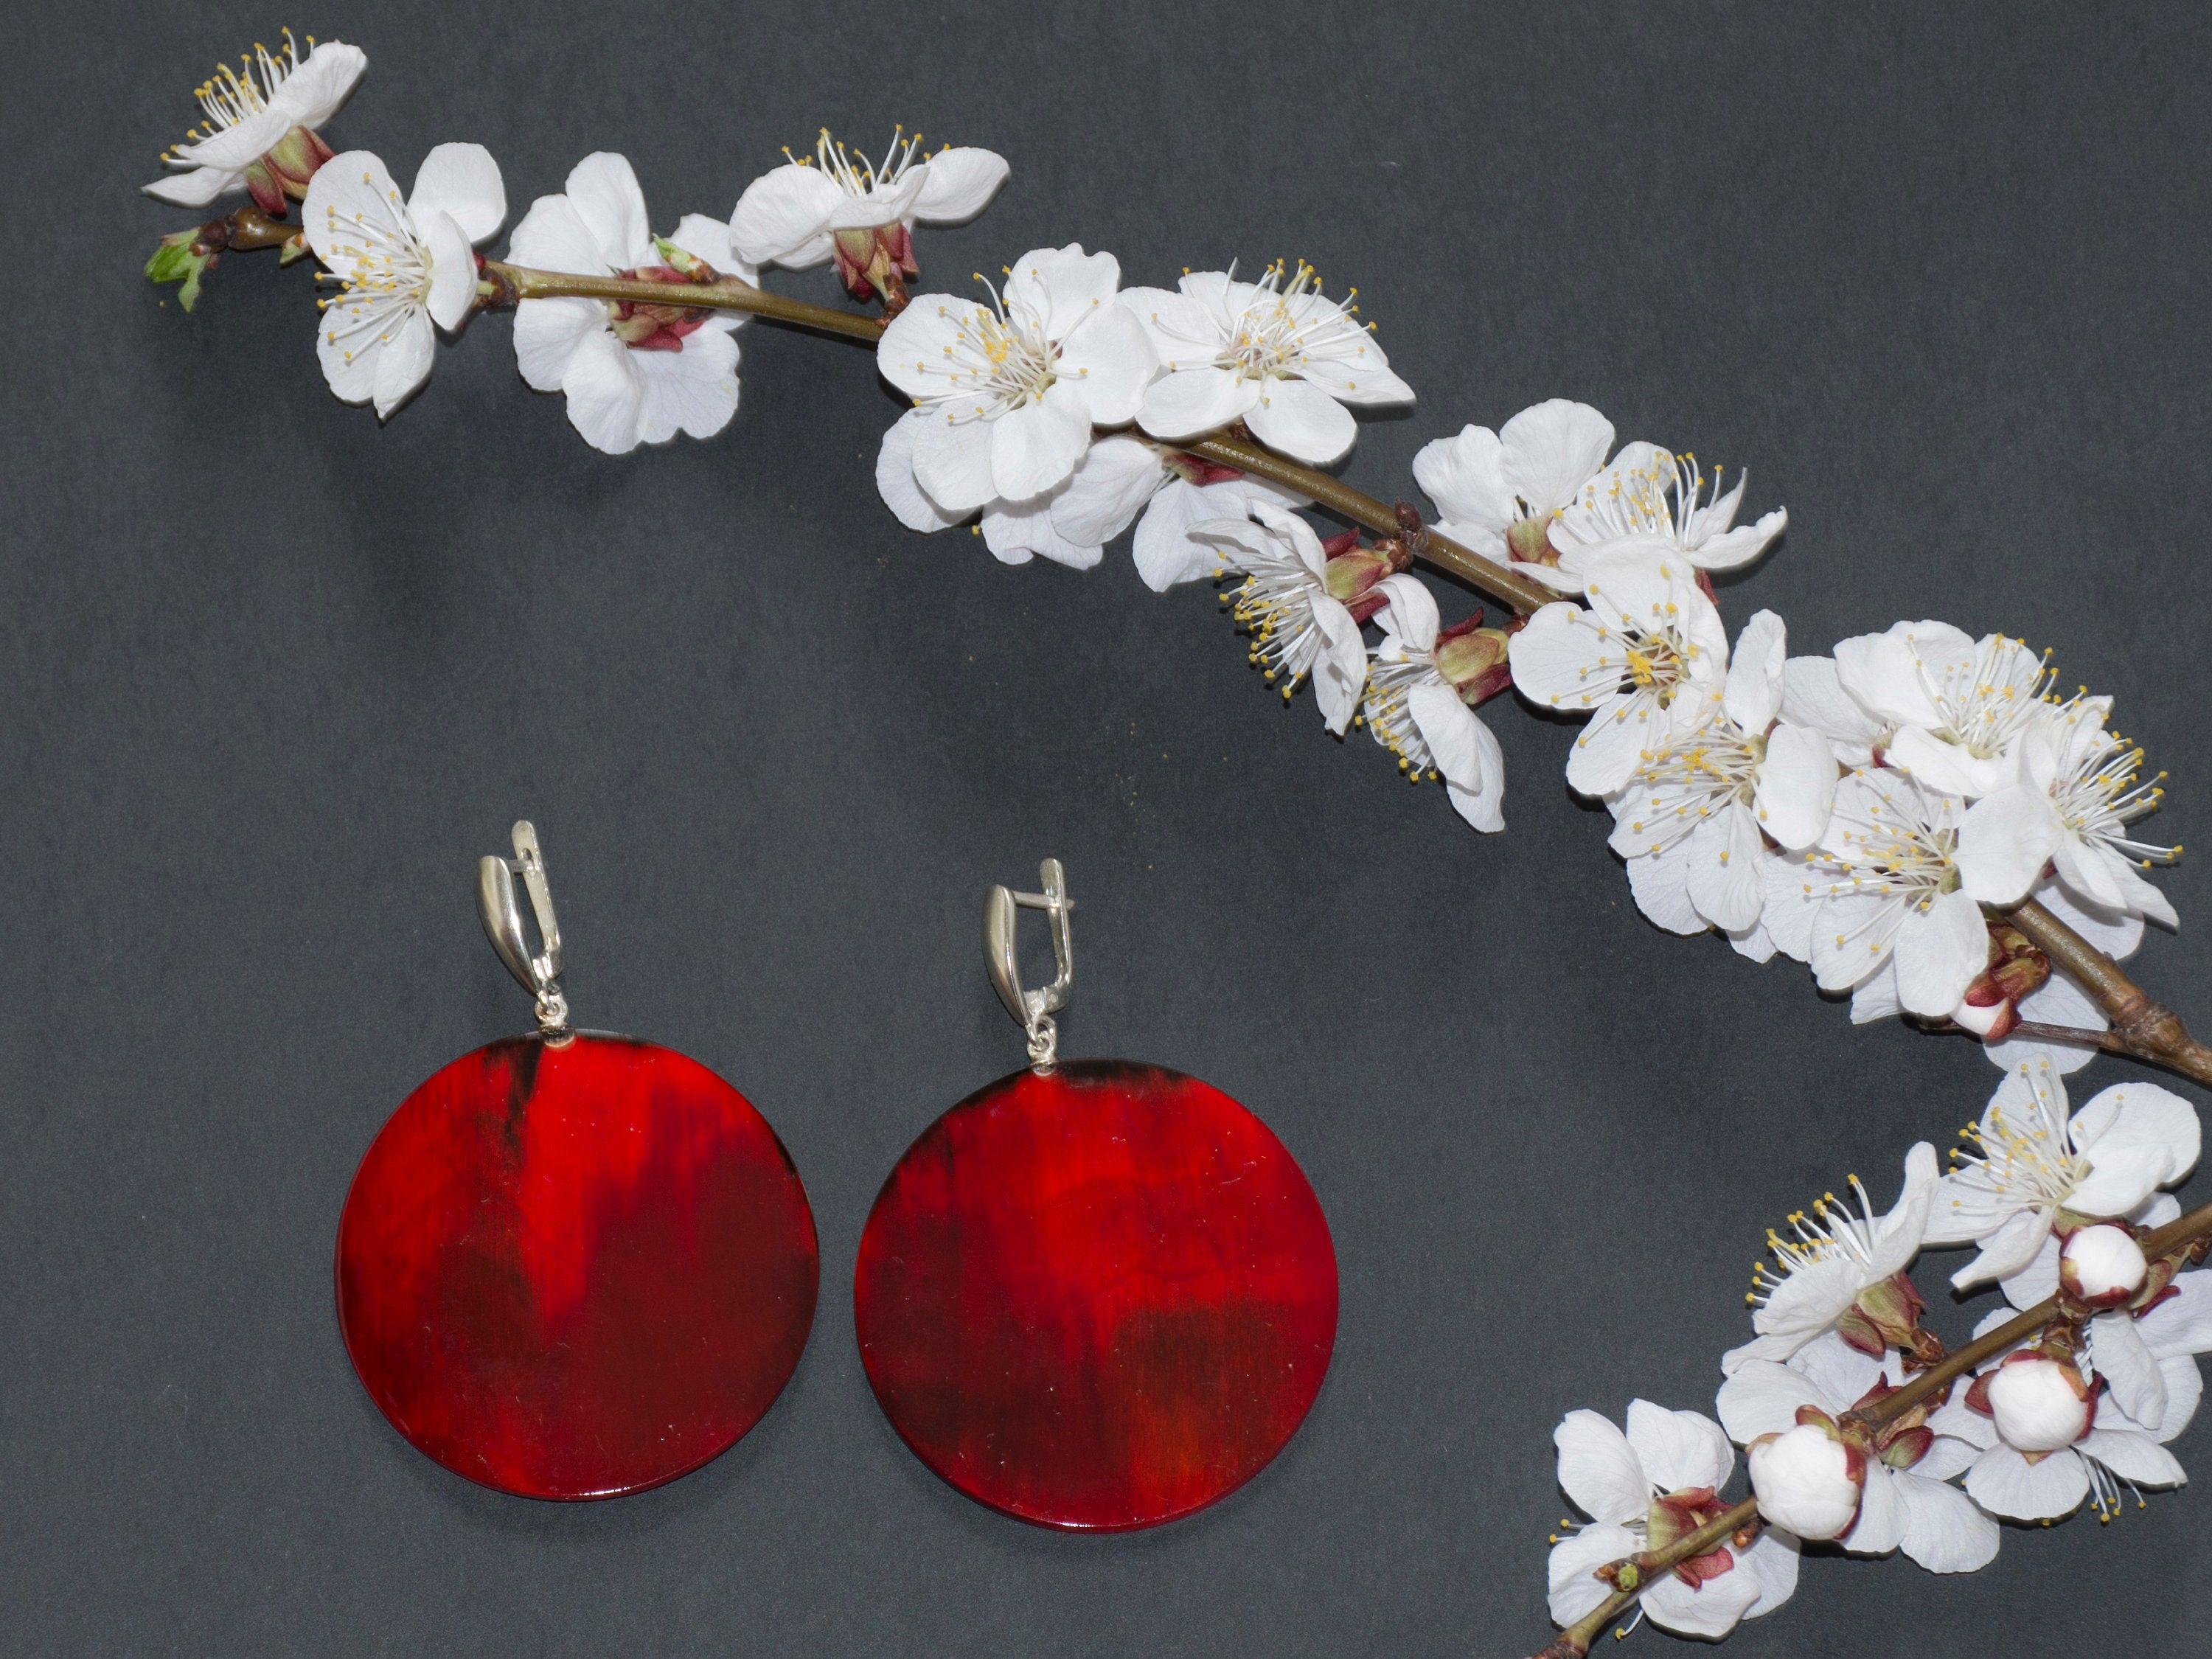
(1098, 1298)
(576, 1268)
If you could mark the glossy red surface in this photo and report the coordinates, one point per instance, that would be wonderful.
(1097, 1299)
(575, 1270)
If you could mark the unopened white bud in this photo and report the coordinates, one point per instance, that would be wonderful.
(2038, 1405)
(2104, 1265)
(1803, 1480)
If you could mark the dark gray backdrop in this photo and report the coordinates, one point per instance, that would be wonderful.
(273, 678)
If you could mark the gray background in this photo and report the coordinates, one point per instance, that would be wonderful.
(273, 679)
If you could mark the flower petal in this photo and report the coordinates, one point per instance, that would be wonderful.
(1571, 1569)
(2004, 841)
(782, 217)
(553, 236)
(693, 391)
(1709, 1610)
(1465, 477)
(605, 399)
(1107, 490)
(1754, 696)
(603, 189)
(1812, 697)
(1464, 749)
(319, 88)
(461, 180)
(1035, 447)
(1880, 1525)
(548, 334)
(1024, 528)
(1727, 870)
(1761, 1396)
(2182, 1324)
(1109, 360)
(1678, 1450)
(1943, 1530)
(1939, 952)
(953, 461)
(1599, 1470)
(1163, 547)
(2136, 1458)
(959, 184)
(2010, 1248)
(1340, 678)
(1063, 287)
(895, 479)
(2130, 1371)
(1186, 403)
(452, 271)
(405, 363)
(1794, 788)
(1298, 419)
(2004, 1483)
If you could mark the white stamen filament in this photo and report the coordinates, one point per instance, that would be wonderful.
(1892, 850)
(231, 95)
(1391, 720)
(853, 172)
(2106, 791)
(1833, 1230)
(1691, 779)
(2027, 1158)
(998, 360)
(384, 268)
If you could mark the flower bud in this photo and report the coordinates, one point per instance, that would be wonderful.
(1807, 1481)
(1990, 1007)
(1355, 573)
(2040, 1405)
(2102, 1267)
(1885, 1315)
(1472, 657)
(285, 169)
(872, 259)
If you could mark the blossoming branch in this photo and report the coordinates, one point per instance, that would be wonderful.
(1918, 815)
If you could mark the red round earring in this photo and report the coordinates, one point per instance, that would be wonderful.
(573, 1265)
(1094, 1295)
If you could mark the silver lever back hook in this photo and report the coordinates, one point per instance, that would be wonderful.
(502, 918)
(1033, 1008)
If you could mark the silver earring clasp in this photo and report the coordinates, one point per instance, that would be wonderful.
(1033, 1008)
(502, 920)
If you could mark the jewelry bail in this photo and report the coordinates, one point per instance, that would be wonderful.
(1034, 1009)
(502, 913)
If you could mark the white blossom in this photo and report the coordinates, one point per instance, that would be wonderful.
(1500, 492)
(1277, 353)
(2151, 1372)
(2081, 789)
(801, 214)
(1906, 1501)
(1693, 821)
(402, 265)
(1120, 477)
(1954, 706)
(1878, 906)
(1416, 711)
(1655, 503)
(1006, 398)
(2033, 1161)
(1643, 661)
(632, 373)
(1830, 1260)
(1643, 1489)
(1298, 627)
(249, 111)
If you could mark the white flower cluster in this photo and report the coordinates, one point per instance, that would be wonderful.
(1854, 811)
(2080, 1411)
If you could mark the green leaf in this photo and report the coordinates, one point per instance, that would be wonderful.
(176, 259)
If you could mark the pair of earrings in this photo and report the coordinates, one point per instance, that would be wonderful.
(1094, 1295)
